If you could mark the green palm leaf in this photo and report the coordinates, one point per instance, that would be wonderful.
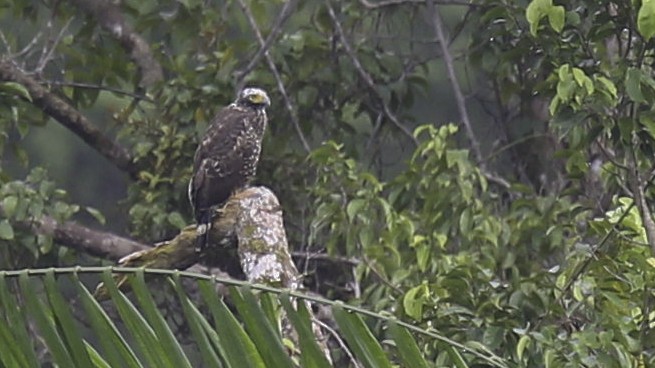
(239, 348)
(116, 349)
(249, 336)
(16, 349)
(311, 354)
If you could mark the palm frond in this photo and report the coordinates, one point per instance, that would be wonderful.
(37, 304)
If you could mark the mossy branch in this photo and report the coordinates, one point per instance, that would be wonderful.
(251, 219)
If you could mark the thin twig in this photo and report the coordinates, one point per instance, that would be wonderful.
(271, 65)
(46, 56)
(365, 76)
(351, 261)
(43, 60)
(639, 192)
(515, 142)
(496, 179)
(459, 97)
(367, 262)
(610, 156)
(369, 5)
(374, 133)
(282, 17)
(25, 49)
(98, 87)
(8, 46)
(339, 341)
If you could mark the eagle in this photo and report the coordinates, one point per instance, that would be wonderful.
(226, 157)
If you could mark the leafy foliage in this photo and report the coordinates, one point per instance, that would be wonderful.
(541, 253)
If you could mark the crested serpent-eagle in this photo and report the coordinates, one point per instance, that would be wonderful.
(227, 156)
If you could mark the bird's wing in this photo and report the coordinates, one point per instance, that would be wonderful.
(217, 155)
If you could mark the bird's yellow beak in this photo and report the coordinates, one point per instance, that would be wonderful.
(259, 99)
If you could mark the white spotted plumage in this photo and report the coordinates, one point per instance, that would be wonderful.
(227, 156)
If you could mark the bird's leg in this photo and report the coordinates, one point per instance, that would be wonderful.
(202, 230)
(205, 225)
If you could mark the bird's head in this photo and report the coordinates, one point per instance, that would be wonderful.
(253, 97)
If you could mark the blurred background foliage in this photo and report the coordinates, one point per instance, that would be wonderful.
(541, 249)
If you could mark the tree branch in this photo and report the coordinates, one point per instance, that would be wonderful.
(365, 76)
(647, 218)
(638, 185)
(459, 97)
(73, 235)
(252, 220)
(97, 87)
(49, 47)
(108, 15)
(69, 117)
(276, 74)
(263, 247)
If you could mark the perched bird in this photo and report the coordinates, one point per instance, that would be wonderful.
(227, 156)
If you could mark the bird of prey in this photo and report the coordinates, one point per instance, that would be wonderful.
(227, 156)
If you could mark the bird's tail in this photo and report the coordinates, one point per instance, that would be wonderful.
(202, 230)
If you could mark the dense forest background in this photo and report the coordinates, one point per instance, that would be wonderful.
(482, 168)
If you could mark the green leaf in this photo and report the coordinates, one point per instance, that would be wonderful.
(354, 207)
(311, 354)
(456, 157)
(96, 214)
(9, 353)
(44, 322)
(536, 10)
(176, 219)
(566, 84)
(144, 336)
(633, 85)
(157, 321)
(96, 359)
(649, 124)
(414, 300)
(549, 358)
(556, 17)
(17, 343)
(583, 80)
(522, 344)
(66, 322)
(423, 252)
(407, 347)
(239, 349)
(648, 80)
(9, 205)
(271, 308)
(554, 105)
(608, 86)
(116, 349)
(646, 19)
(193, 318)
(264, 335)
(365, 347)
(457, 358)
(16, 89)
(6, 231)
